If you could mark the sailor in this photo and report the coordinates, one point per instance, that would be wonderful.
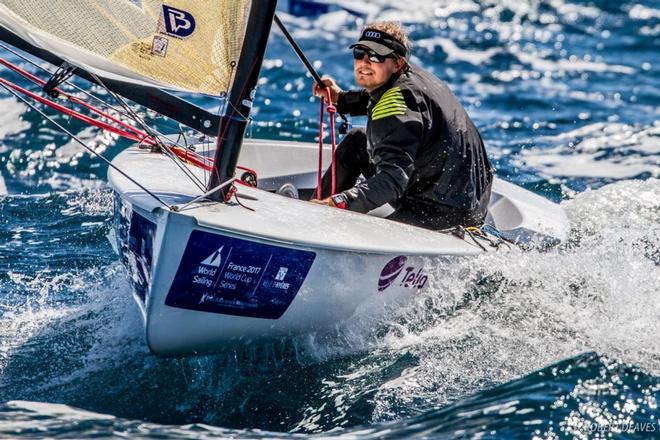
(420, 151)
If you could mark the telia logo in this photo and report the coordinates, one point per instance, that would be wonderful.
(390, 272)
(412, 277)
(178, 23)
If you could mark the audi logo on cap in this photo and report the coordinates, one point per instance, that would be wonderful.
(372, 34)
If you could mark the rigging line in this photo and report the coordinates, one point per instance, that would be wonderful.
(205, 195)
(133, 133)
(75, 100)
(223, 110)
(221, 136)
(151, 131)
(242, 116)
(136, 135)
(71, 112)
(167, 151)
(190, 154)
(77, 139)
(475, 239)
(154, 134)
(69, 83)
(136, 118)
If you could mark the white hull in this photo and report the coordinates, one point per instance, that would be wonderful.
(285, 267)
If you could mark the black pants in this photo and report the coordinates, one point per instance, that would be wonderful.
(352, 160)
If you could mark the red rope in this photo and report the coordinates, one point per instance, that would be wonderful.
(41, 82)
(128, 132)
(320, 167)
(333, 140)
(73, 113)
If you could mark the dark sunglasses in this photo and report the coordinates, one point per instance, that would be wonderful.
(359, 52)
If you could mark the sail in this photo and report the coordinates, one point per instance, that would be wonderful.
(184, 45)
(136, 48)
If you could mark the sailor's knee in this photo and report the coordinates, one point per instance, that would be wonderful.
(354, 141)
(358, 135)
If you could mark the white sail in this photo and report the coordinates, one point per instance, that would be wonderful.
(185, 45)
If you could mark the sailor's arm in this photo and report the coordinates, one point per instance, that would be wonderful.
(353, 102)
(397, 133)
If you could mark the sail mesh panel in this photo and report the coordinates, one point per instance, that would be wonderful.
(180, 44)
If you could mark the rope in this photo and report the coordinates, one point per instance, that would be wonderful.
(225, 127)
(130, 133)
(333, 140)
(319, 195)
(78, 101)
(75, 138)
(69, 83)
(151, 139)
(154, 135)
(203, 196)
(149, 136)
(332, 110)
(70, 112)
(143, 137)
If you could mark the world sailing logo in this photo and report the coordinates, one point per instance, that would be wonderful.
(215, 259)
(178, 23)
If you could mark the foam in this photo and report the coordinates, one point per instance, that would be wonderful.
(599, 150)
(11, 120)
(640, 12)
(454, 53)
(492, 318)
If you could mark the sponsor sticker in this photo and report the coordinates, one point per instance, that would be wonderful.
(159, 46)
(398, 273)
(231, 276)
(178, 23)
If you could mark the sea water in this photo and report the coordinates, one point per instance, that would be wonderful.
(536, 344)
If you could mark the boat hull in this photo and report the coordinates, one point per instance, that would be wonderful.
(205, 274)
(201, 288)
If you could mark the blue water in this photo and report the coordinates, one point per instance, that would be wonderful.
(558, 344)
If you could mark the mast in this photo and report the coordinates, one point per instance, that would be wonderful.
(241, 95)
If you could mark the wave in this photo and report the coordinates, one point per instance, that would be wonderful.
(604, 150)
(73, 335)
(569, 398)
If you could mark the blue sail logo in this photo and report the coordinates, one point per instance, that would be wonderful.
(178, 23)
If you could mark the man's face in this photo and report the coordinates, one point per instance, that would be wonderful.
(371, 75)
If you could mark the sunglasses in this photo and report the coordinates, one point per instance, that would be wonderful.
(359, 52)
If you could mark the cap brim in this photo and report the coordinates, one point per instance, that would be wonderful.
(380, 49)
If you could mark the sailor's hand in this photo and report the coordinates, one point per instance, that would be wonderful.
(327, 202)
(329, 83)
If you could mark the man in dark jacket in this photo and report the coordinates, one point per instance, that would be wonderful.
(420, 152)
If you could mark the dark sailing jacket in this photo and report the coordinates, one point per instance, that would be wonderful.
(427, 153)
